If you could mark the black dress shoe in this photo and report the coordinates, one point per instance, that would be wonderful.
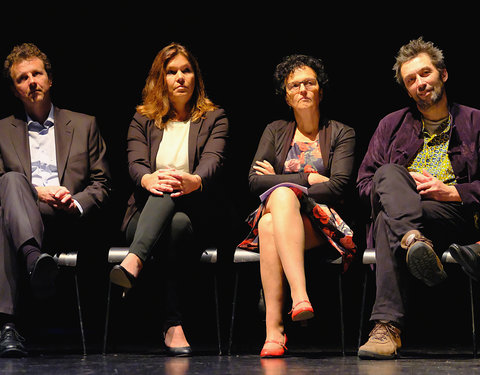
(11, 342)
(468, 257)
(183, 351)
(43, 275)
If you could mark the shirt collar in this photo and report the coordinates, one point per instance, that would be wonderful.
(48, 122)
(443, 126)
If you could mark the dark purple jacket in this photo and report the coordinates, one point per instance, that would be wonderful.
(399, 136)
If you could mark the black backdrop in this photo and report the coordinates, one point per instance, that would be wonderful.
(101, 58)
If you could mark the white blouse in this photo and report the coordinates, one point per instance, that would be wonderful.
(173, 150)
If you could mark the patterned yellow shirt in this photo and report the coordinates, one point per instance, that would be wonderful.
(433, 157)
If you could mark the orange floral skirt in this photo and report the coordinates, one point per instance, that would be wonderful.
(325, 221)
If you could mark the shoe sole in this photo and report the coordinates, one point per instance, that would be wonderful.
(424, 264)
(118, 277)
(267, 356)
(362, 354)
(303, 315)
(43, 277)
(458, 257)
(13, 353)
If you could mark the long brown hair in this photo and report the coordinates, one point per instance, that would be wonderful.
(156, 105)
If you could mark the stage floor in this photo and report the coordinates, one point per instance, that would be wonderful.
(418, 362)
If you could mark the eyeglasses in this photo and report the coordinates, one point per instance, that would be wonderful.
(309, 84)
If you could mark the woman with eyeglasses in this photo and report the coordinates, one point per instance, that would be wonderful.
(300, 171)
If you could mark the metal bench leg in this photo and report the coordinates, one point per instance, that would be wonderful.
(342, 325)
(217, 312)
(362, 309)
(235, 289)
(472, 305)
(105, 335)
(80, 316)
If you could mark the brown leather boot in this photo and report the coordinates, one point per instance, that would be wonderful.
(383, 342)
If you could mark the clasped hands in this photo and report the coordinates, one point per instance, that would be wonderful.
(58, 197)
(430, 187)
(170, 180)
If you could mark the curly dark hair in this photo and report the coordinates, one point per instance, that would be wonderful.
(290, 63)
(22, 52)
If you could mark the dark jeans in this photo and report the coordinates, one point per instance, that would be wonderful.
(397, 208)
(163, 229)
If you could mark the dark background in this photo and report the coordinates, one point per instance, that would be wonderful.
(101, 58)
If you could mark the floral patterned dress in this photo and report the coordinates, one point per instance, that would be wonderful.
(306, 157)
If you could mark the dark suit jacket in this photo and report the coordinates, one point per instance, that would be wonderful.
(80, 151)
(337, 143)
(206, 151)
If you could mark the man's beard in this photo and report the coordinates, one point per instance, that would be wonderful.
(437, 95)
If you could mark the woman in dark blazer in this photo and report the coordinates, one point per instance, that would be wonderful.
(312, 160)
(176, 148)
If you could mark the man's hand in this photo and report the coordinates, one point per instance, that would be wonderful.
(430, 187)
(58, 197)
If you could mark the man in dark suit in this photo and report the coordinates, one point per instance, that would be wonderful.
(53, 175)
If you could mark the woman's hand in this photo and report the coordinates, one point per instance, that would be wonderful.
(316, 178)
(188, 183)
(263, 167)
(171, 181)
(161, 181)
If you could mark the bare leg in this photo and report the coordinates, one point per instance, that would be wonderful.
(273, 281)
(290, 237)
(284, 234)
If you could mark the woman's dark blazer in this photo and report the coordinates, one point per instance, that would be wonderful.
(339, 141)
(207, 141)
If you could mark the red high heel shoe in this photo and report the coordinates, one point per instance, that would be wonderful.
(276, 352)
(302, 313)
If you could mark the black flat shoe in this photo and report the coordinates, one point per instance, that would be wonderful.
(179, 351)
(120, 276)
(183, 351)
(43, 275)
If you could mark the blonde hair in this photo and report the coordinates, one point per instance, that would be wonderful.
(156, 104)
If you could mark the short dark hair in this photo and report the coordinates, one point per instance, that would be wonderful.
(411, 50)
(23, 52)
(290, 63)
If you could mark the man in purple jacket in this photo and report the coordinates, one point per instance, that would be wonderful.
(421, 176)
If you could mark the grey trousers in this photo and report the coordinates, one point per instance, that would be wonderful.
(20, 221)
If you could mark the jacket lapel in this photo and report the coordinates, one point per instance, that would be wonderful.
(19, 139)
(156, 135)
(63, 140)
(192, 142)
